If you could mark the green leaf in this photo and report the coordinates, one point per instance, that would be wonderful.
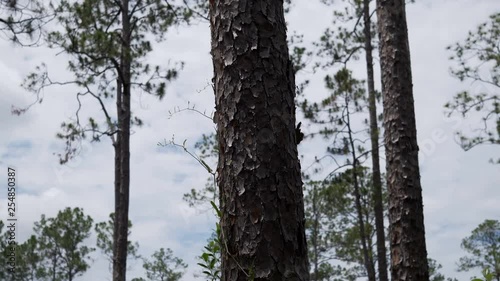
(219, 214)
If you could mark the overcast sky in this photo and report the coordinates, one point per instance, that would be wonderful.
(460, 189)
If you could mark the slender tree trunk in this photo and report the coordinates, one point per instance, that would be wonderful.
(315, 234)
(54, 267)
(406, 218)
(118, 185)
(122, 194)
(370, 269)
(117, 149)
(367, 259)
(374, 133)
(259, 176)
(369, 235)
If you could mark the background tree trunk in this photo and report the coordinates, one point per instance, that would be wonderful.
(124, 118)
(406, 218)
(258, 172)
(363, 235)
(374, 133)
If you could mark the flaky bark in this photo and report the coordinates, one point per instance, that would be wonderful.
(374, 133)
(258, 172)
(406, 218)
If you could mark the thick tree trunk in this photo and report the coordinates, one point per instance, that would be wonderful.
(258, 172)
(374, 133)
(122, 194)
(406, 218)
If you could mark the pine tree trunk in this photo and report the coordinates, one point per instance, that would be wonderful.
(369, 235)
(117, 150)
(54, 267)
(374, 133)
(123, 192)
(406, 218)
(315, 235)
(367, 257)
(363, 235)
(259, 177)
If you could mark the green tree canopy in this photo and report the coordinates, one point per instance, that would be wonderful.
(478, 61)
(434, 274)
(483, 248)
(164, 266)
(104, 231)
(61, 244)
(22, 21)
